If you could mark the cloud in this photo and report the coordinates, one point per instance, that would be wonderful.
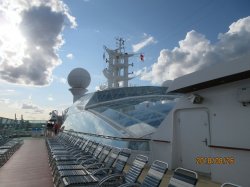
(30, 36)
(7, 92)
(60, 79)
(10, 90)
(196, 52)
(141, 71)
(50, 98)
(4, 100)
(34, 108)
(70, 56)
(101, 87)
(28, 106)
(145, 42)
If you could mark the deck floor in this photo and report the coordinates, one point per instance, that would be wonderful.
(28, 167)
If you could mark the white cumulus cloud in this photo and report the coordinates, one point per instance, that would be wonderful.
(145, 42)
(50, 98)
(30, 36)
(196, 52)
(4, 100)
(60, 79)
(7, 92)
(32, 107)
(70, 56)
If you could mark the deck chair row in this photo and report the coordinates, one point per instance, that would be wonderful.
(3, 139)
(87, 155)
(8, 147)
(79, 162)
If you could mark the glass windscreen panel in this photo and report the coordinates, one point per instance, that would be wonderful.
(89, 123)
(138, 145)
(111, 142)
(129, 112)
(116, 116)
(120, 112)
(79, 105)
(118, 93)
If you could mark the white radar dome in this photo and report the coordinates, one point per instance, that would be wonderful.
(79, 78)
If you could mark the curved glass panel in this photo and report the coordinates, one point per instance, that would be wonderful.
(118, 93)
(84, 100)
(141, 145)
(79, 105)
(111, 142)
(130, 112)
(133, 111)
(116, 116)
(87, 122)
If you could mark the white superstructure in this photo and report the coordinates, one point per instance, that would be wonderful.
(117, 72)
(209, 127)
(200, 121)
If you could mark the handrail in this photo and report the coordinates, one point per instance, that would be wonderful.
(118, 138)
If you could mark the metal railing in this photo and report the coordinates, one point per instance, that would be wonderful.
(21, 128)
(139, 144)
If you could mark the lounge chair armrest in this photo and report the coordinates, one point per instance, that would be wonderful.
(98, 171)
(94, 165)
(110, 177)
(77, 154)
(130, 185)
(83, 157)
(89, 160)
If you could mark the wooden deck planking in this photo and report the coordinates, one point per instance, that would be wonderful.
(28, 167)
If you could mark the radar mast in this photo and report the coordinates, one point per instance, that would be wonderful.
(117, 72)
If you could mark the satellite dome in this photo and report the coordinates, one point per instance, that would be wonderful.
(79, 78)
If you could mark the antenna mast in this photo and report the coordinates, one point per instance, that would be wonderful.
(117, 65)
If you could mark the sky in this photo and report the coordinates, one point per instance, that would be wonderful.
(41, 41)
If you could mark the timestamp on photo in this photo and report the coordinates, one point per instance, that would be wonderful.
(215, 160)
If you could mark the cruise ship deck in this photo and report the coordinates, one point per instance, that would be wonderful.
(28, 167)
(186, 127)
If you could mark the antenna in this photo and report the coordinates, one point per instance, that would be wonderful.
(120, 44)
(117, 65)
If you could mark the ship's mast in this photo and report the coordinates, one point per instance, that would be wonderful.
(117, 73)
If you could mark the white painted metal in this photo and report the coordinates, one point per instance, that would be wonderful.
(228, 119)
(214, 72)
(117, 70)
(194, 138)
(78, 79)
